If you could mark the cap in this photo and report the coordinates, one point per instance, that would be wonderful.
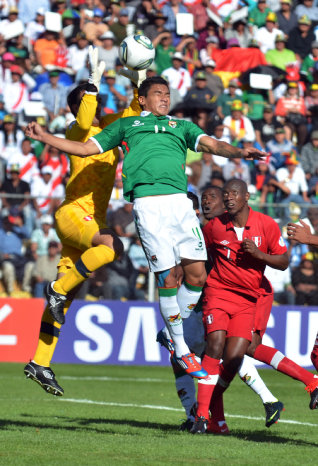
(212, 40)
(286, 1)
(253, 43)
(110, 74)
(8, 119)
(233, 42)
(107, 35)
(53, 244)
(41, 121)
(81, 35)
(271, 17)
(291, 158)
(68, 14)
(237, 105)
(115, 2)
(314, 44)
(160, 15)
(200, 76)
(14, 167)
(279, 130)
(8, 56)
(16, 69)
(13, 9)
(98, 12)
(40, 11)
(210, 63)
(48, 219)
(268, 108)
(314, 87)
(309, 256)
(124, 12)
(233, 83)
(47, 170)
(292, 84)
(54, 73)
(314, 135)
(280, 38)
(177, 56)
(304, 20)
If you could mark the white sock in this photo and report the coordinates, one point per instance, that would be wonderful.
(186, 393)
(248, 373)
(187, 300)
(171, 315)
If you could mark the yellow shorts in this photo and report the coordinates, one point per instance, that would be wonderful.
(75, 229)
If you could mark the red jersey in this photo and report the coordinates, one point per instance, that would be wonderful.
(233, 269)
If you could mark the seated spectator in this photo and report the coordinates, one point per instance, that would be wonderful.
(16, 93)
(121, 278)
(12, 260)
(95, 27)
(257, 16)
(57, 161)
(278, 147)
(199, 95)
(307, 7)
(35, 27)
(213, 81)
(301, 37)
(292, 112)
(143, 14)
(42, 236)
(12, 22)
(225, 100)
(170, 10)
(70, 25)
(164, 51)
(284, 292)
(46, 48)
(26, 161)
(78, 52)
(237, 126)
(305, 282)
(114, 96)
(11, 138)
(261, 175)
(119, 27)
(141, 269)
(108, 51)
(47, 197)
(188, 47)
(117, 196)
(265, 127)
(157, 27)
(211, 50)
(308, 64)
(44, 271)
(309, 156)
(177, 76)
(237, 168)
(266, 35)
(311, 102)
(280, 56)
(286, 18)
(54, 96)
(7, 60)
(123, 221)
(239, 31)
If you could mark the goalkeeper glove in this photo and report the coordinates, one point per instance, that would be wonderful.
(137, 77)
(96, 70)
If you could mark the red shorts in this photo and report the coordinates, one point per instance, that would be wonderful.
(263, 310)
(229, 311)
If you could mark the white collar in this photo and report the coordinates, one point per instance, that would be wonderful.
(145, 113)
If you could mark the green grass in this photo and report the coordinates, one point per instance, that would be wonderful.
(39, 429)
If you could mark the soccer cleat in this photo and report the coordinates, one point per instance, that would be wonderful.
(186, 425)
(45, 377)
(219, 428)
(312, 389)
(199, 426)
(166, 342)
(56, 303)
(190, 365)
(273, 411)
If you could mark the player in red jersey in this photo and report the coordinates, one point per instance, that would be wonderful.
(241, 242)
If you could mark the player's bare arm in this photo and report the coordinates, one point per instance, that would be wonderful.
(276, 261)
(81, 149)
(301, 233)
(207, 144)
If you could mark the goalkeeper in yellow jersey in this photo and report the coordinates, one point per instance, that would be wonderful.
(87, 241)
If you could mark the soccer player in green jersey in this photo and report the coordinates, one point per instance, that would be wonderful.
(154, 179)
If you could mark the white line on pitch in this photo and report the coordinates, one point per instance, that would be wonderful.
(115, 379)
(167, 408)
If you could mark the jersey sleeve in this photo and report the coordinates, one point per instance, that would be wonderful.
(192, 134)
(276, 243)
(132, 110)
(109, 137)
(84, 118)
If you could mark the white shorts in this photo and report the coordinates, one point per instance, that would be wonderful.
(169, 230)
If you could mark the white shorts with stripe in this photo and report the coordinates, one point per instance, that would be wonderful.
(169, 230)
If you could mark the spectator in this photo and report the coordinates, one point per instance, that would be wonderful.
(11, 138)
(57, 161)
(121, 278)
(286, 18)
(265, 127)
(11, 22)
(211, 50)
(114, 96)
(301, 37)
(44, 271)
(311, 102)
(54, 96)
(119, 28)
(284, 292)
(26, 161)
(13, 261)
(240, 32)
(305, 282)
(171, 9)
(236, 168)
(177, 76)
(309, 156)
(71, 26)
(266, 35)
(123, 221)
(238, 126)
(144, 14)
(258, 14)
(190, 54)
(199, 95)
(7, 60)
(46, 48)
(28, 9)
(153, 30)
(95, 27)
(214, 82)
(307, 8)
(42, 236)
(35, 27)
(280, 56)
(15, 186)
(141, 269)
(164, 51)
(225, 100)
(308, 65)
(2, 110)
(78, 52)
(46, 196)
(15, 92)
(108, 52)
(278, 147)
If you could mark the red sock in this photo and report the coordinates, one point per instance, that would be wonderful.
(206, 386)
(216, 404)
(314, 356)
(282, 364)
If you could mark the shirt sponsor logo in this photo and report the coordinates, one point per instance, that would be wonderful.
(257, 240)
(172, 124)
(88, 218)
(137, 123)
(224, 242)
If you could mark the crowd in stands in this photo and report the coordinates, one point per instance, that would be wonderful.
(245, 71)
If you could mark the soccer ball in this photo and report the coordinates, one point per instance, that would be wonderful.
(136, 52)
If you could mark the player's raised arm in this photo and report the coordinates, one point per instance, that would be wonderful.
(81, 149)
(212, 146)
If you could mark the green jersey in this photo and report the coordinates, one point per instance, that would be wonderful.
(155, 151)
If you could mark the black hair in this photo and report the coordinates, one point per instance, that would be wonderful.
(211, 186)
(75, 97)
(147, 83)
(242, 185)
(195, 200)
(217, 175)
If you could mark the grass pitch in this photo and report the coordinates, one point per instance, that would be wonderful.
(118, 415)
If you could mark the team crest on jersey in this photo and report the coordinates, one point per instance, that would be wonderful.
(172, 124)
(88, 218)
(153, 258)
(224, 242)
(281, 242)
(257, 240)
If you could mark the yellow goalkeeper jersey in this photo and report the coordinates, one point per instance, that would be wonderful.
(92, 178)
